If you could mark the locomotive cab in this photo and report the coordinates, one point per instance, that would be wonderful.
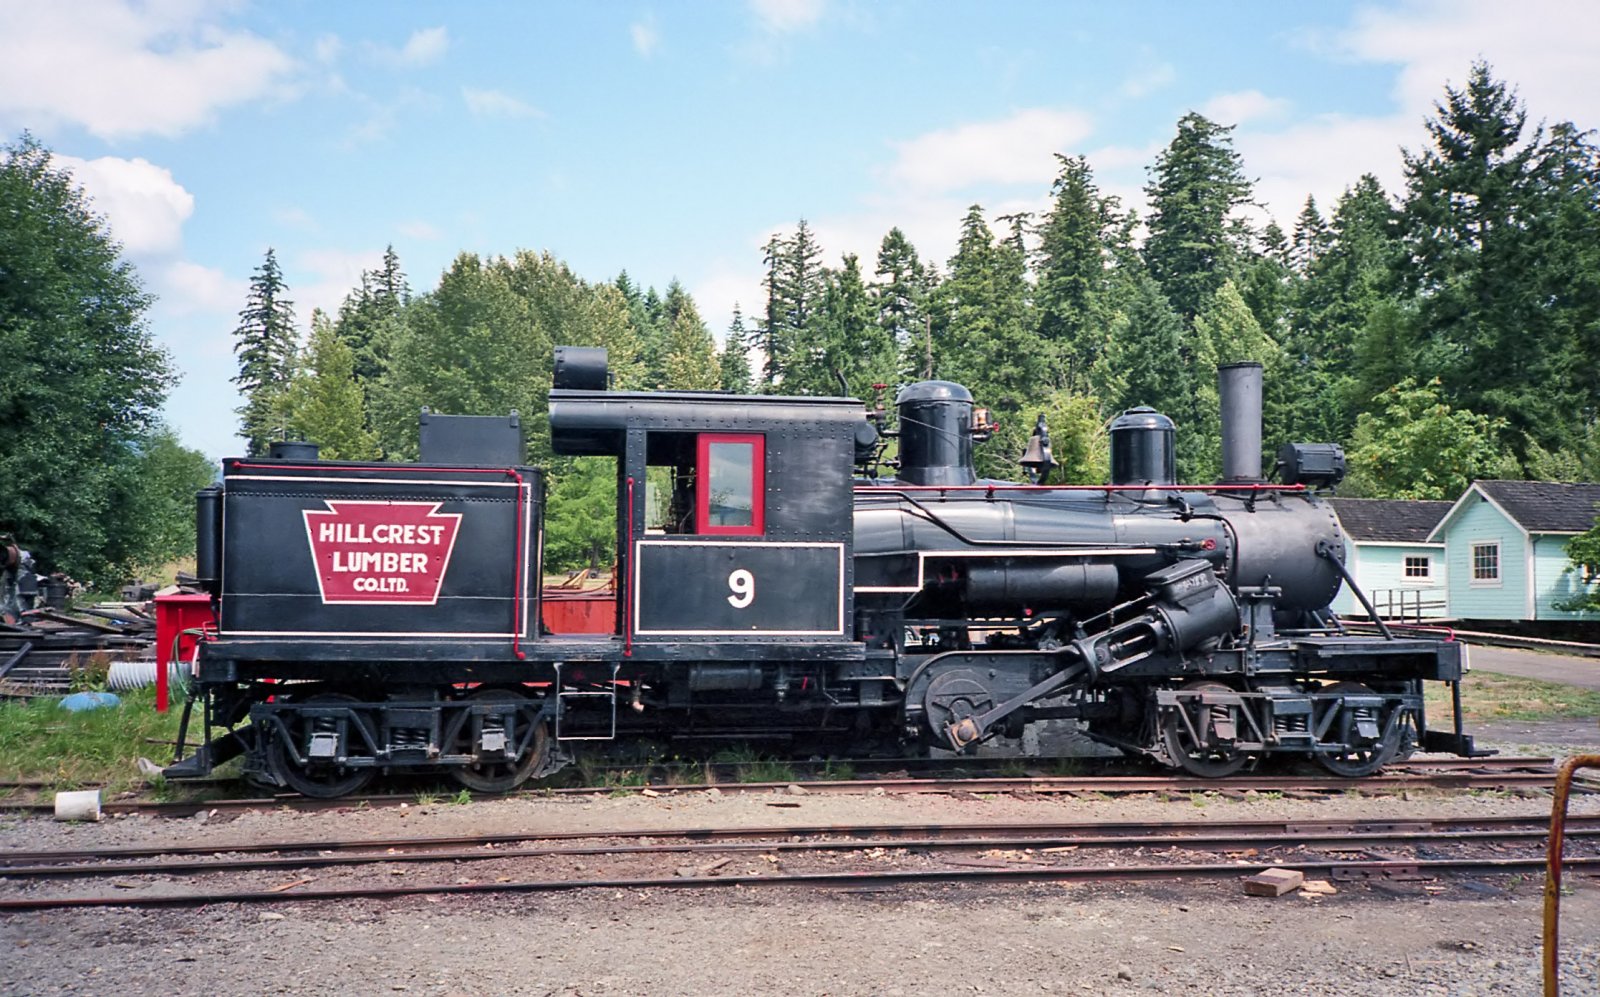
(733, 524)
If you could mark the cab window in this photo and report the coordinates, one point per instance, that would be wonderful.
(732, 475)
(706, 484)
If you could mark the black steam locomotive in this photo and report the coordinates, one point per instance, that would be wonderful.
(386, 617)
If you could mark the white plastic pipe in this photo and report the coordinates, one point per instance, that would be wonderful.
(80, 804)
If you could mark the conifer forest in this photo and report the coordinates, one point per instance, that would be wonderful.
(1443, 331)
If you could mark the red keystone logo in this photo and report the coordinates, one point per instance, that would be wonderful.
(383, 553)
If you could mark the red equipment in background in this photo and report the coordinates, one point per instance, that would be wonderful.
(174, 614)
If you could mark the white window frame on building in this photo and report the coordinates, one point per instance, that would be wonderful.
(1484, 569)
(1416, 568)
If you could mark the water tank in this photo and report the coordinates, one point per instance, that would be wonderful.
(1141, 448)
(935, 434)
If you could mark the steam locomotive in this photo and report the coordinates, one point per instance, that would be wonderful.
(377, 617)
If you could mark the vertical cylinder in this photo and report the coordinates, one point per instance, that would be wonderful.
(1239, 385)
(207, 538)
(935, 434)
(1141, 448)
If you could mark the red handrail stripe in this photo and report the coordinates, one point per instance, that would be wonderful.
(991, 489)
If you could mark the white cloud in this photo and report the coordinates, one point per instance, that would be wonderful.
(327, 48)
(1431, 42)
(645, 36)
(118, 69)
(144, 206)
(497, 104)
(1014, 150)
(1545, 47)
(186, 288)
(323, 277)
(784, 16)
(296, 218)
(1244, 105)
(1148, 80)
(1322, 157)
(419, 230)
(425, 46)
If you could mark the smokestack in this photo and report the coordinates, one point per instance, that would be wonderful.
(1239, 385)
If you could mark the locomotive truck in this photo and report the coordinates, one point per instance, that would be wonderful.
(778, 579)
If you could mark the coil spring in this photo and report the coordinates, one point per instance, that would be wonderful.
(408, 739)
(1293, 724)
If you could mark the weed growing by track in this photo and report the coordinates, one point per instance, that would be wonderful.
(752, 767)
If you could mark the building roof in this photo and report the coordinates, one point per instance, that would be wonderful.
(1546, 506)
(1389, 520)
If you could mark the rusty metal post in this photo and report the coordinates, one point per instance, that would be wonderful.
(1552, 880)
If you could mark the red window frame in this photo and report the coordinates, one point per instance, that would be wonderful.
(758, 483)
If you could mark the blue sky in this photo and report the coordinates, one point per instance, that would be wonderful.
(671, 138)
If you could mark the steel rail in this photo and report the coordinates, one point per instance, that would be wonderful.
(1485, 765)
(972, 785)
(861, 879)
(954, 764)
(1023, 832)
(1198, 842)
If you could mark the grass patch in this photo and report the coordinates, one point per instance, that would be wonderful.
(40, 741)
(836, 770)
(687, 774)
(1490, 696)
(750, 766)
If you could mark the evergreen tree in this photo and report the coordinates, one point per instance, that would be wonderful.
(1076, 240)
(1144, 364)
(733, 363)
(1484, 251)
(1334, 323)
(1267, 282)
(652, 332)
(1310, 238)
(983, 334)
(369, 314)
(772, 328)
(264, 342)
(581, 519)
(1195, 184)
(1227, 332)
(842, 339)
(802, 278)
(389, 283)
(901, 294)
(570, 311)
(690, 361)
(325, 402)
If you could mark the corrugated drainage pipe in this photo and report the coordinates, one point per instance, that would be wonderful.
(140, 672)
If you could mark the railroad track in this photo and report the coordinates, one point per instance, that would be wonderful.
(1532, 774)
(880, 855)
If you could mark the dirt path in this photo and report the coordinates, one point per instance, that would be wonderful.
(1562, 668)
